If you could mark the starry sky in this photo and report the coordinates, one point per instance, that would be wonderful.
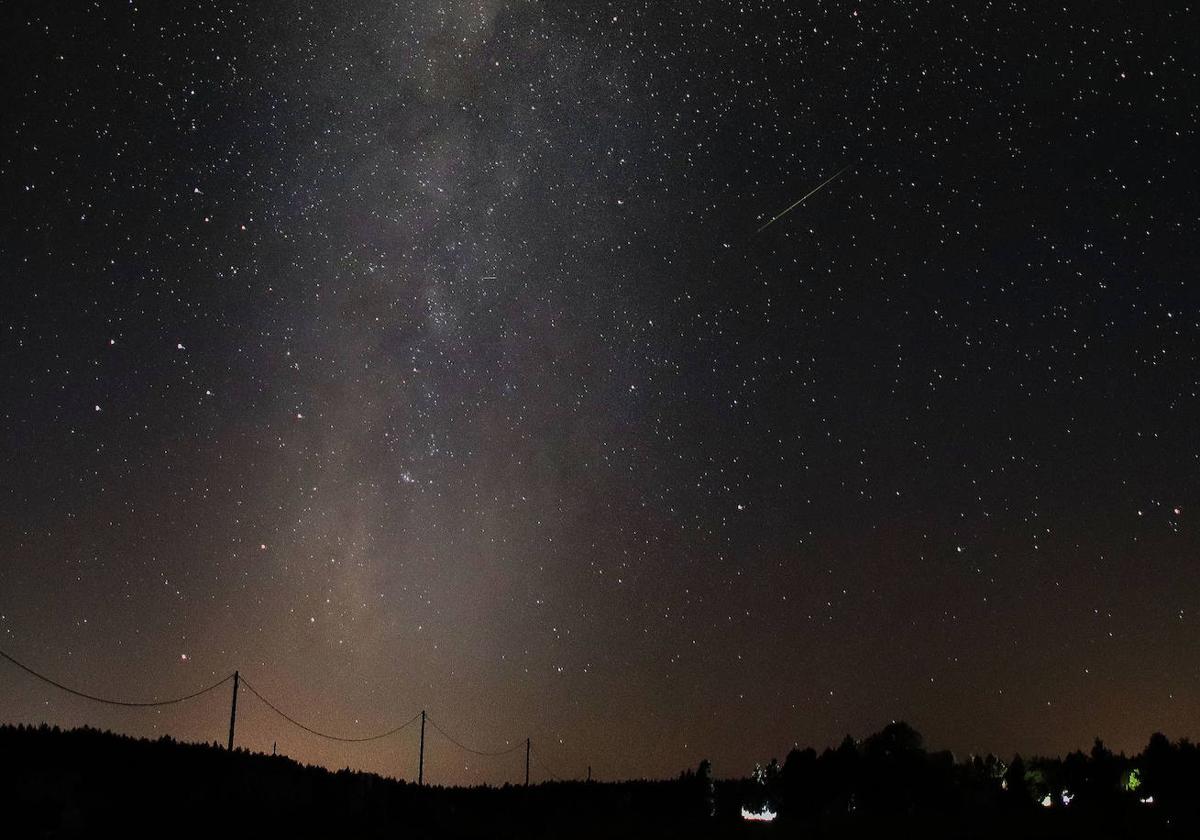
(426, 354)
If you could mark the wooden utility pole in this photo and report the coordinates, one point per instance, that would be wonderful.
(526, 762)
(233, 709)
(421, 757)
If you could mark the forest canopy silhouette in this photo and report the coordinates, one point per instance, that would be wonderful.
(80, 782)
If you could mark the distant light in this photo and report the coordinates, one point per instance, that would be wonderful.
(765, 815)
(1147, 800)
(1067, 796)
(1047, 801)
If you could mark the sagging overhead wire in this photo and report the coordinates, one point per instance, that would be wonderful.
(463, 746)
(318, 733)
(107, 700)
(542, 764)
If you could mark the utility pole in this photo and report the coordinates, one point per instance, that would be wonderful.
(233, 709)
(526, 762)
(589, 772)
(421, 758)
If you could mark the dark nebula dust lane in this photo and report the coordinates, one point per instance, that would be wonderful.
(457, 356)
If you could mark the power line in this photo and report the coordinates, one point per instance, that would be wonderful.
(463, 746)
(150, 704)
(109, 701)
(541, 764)
(326, 735)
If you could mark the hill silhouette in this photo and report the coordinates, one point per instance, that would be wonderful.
(85, 782)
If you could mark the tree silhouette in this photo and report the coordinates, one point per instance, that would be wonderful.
(85, 782)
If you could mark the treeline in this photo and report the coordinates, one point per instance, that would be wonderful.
(84, 782)
(889, 782)
(88, 783)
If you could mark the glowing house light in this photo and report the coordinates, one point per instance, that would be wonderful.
(765, 815)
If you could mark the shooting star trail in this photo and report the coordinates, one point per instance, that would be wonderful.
(800, 201)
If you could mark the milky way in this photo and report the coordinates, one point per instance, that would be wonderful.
(424, 355)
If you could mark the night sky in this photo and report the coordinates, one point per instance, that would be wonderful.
(425, 354)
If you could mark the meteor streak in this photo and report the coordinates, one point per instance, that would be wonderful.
(800, 201)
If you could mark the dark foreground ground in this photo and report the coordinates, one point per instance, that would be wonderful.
(86, 783)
